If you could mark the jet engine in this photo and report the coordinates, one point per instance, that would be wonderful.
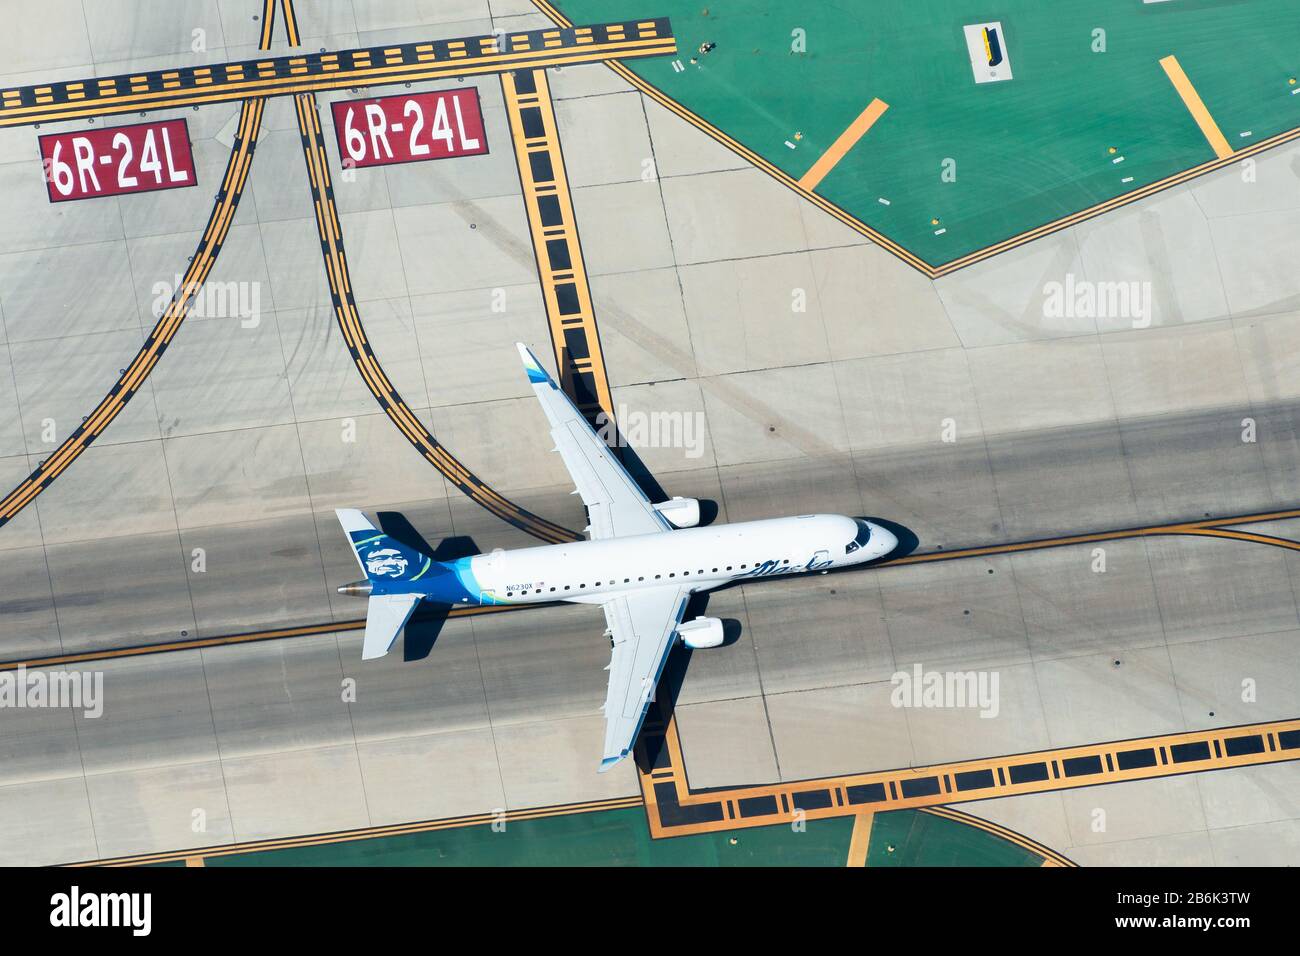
(680, 512)
(701, 633)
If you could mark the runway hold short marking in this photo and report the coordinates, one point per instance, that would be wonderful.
(990, 60)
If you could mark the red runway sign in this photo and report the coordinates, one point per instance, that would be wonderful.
(409, 129)
(117, 159)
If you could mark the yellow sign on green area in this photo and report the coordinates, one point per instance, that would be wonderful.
(916, 838)
(956, 165)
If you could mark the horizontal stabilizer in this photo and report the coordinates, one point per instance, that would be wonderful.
(386, 615)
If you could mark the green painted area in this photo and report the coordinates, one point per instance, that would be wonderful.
(606, 838)
(913, 838)
(1028, 151)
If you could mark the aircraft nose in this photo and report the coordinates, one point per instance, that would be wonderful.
(883, 540)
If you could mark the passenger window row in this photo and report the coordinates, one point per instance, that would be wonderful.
(673, 574)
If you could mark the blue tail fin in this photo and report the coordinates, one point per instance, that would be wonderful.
(385, 561)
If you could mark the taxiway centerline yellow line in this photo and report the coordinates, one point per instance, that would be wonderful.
(1210, 527)
(1050, 857)
(226, 640)
(268, 24)
(145, 360)
(1249, 536)
(371, 833)
(1014, 242)
(290, 22)
(336, 271)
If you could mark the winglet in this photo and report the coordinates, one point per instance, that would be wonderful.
(611, 761)
(536, 374)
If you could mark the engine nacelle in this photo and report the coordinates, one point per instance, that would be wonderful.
(681, 512)
(701, 633)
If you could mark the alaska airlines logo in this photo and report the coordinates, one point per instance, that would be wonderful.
(385, 562)
(769, 568)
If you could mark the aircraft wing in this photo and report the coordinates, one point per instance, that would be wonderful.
(616, 505)
(643, 625)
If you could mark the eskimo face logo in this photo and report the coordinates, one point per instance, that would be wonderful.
(386, 562)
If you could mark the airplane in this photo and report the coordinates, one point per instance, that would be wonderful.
(641, 563)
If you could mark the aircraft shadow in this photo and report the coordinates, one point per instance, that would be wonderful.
(907, 539)
(670, 682)
(396, 526)
(650, 485)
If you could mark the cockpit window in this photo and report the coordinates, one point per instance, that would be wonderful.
(861, 538)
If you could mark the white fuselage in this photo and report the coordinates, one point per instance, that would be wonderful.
(694, 558)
